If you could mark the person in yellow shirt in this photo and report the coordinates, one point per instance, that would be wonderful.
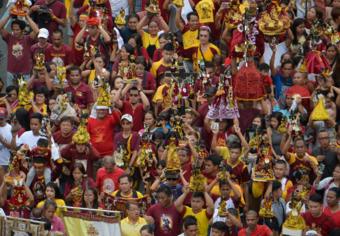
(164, 64)
(202, 52)
(125, 188)
(162, 98)
(132, 224)
(197, 203)
(189, 30)
(150, 39)
(52, 193)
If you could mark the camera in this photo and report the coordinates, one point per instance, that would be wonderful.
(42, 17)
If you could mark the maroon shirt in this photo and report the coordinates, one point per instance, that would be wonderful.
(62, 56)
(167, 220)
(71, 154)
(81, 95)
(58, 9)
(119, 140)
(18, 53)
(36, 48)
(148, 81)
(60, 140)
(77, 50)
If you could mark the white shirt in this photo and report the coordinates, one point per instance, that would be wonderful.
(281, 49)
(5, 132)
(229, 204)
(326, 184)
(28, 138)
(2, 213)
(301, 7)
(117, 5)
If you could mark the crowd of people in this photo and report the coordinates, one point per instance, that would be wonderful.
(190, 117)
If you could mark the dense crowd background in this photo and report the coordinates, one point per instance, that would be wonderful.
(194, 117)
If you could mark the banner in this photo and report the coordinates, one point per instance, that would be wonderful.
(18, 226)
(91, 223)
(119, 203)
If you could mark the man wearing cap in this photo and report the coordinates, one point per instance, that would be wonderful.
(127, 140)
(5, 139)
(96, 37)
(42, 43)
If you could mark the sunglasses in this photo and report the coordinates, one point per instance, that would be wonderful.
(171, 179)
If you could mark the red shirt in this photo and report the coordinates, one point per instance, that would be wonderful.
(58, 9)
(157, 55)
(102, 132)
(167, 220)
(260, 230)
(323, 222)
(62, 56)
(81, 95)
(335, 216)
(18, 53)
(108, 181)
(138, 117)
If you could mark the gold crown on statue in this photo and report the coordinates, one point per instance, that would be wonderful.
(39, 61)
(152, 7)
(104, 99)
(120, 18)
(270, 25)
(81, 136)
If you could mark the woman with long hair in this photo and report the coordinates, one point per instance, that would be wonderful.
(52, 193)
(74, 188)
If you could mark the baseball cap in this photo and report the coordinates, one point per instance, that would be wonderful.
(43, 33)
(3, 112)
(127, 117)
